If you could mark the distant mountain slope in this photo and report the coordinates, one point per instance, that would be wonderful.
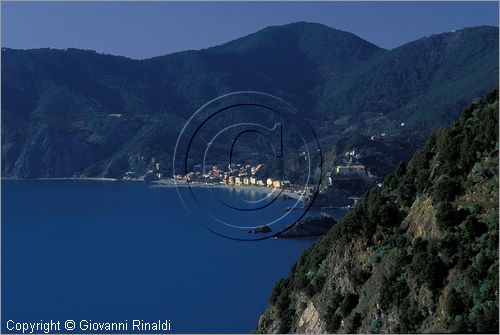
(423, 85)
(56, 104)
(405, 83)
(419, 254)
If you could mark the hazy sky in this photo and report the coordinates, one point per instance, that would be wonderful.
(141, 30)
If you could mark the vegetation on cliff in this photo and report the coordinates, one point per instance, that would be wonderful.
(418, 254)
(311, 226)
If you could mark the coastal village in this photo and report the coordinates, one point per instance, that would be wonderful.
(250, 175)
(236, 174)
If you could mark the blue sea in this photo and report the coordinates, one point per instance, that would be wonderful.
(116, 251)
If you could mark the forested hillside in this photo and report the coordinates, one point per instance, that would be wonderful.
(79, 113)
(418, 254)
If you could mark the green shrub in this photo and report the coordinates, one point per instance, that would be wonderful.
(410, 316)
(280, 286)
(353, 323)
(374, 327)
(445, 189)
(333, 323)
(453, 304)
(447, 216)
(392, 292)
(350, 301)
(332, 319)
(427, 267)
(474, 227)
(359, 277)
(374, 259)
(381, 210)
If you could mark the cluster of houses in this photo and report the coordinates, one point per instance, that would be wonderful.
(247, 175)
(350, 166)
(236, 174)
(230, 180)
(351, 170)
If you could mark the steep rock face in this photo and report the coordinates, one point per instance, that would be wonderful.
(310, 321)
(419, 254)
(421, 221)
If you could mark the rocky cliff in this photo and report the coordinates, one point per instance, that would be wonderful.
(418, 254)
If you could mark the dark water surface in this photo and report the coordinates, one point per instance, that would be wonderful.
(110, 252)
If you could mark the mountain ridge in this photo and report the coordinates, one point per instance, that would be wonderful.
(242, 37)
(47, 90)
